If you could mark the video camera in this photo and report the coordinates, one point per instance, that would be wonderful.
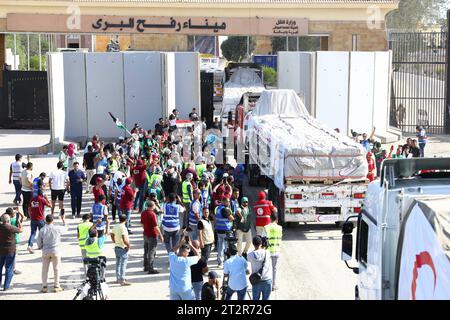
(231, 243)
(95, 269)
(265, 242)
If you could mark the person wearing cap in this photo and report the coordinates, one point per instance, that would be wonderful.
(126, 202)
(15, 169)
(274, 234)
(208, 292)
(223, 227)
(243, 228)
(139, 177)
(263, 209)
(260, 261)
(235, 269)
(187, 193)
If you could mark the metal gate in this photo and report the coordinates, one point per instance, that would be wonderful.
(25, 100)
(418, 81)
(207, 96)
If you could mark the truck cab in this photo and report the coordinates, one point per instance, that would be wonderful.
(382, 219)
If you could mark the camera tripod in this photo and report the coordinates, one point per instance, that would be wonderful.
(91, 288)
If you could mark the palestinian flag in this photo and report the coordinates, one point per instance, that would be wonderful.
(118, 123)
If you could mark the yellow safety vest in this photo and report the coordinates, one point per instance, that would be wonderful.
(83, 233)
(274, 234)
(93, 250)
(184, 188)
(200, 168)
(114, 166)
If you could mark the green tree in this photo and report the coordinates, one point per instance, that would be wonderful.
(411, 15)
(22, 49)
(270, 76)
(235, 48)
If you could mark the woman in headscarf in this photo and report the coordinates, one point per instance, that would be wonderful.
(72, 156)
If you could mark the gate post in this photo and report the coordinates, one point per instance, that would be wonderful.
(447, 96)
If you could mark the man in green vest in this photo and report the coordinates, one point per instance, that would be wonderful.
(274, 234)
(188, 194)
(200, 166)
(93, 248)
(83, 234)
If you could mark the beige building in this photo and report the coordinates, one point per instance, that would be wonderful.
(340, 24)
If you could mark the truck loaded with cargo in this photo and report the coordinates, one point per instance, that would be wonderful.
(315, 174)
(403, 233)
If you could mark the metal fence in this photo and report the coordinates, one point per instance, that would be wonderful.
(25, 100)
(418, 81)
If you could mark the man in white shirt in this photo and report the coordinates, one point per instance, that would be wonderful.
(59, 182)
(14, 177)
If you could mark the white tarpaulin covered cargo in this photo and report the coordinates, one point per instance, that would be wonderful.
(286, 142)
(241, 81)
(424, 245)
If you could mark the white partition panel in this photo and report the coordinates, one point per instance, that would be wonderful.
(187, 83)
(169, 83)
(294, 72)
(75, 96)
(55, 70)
(332, 89)
(382, 92)
(360, 116)
(105, 92)
(143, 88)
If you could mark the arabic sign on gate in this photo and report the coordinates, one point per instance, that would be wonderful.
(17, 22)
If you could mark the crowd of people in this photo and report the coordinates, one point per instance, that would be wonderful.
(413, 148)
(185, 200)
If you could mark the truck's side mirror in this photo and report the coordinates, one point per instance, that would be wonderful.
(347, 247)
(347, 241)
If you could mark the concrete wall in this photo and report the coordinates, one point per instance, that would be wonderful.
(134, 86)
(347, 90)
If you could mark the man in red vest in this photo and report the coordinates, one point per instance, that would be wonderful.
(263, 209)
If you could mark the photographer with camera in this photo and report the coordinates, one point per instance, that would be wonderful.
(180, 281)
(208, 292)
(224, 228)
(261, 277)
(235, 270)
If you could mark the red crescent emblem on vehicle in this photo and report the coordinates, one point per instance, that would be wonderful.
(422, 259)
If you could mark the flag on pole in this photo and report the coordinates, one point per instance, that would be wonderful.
(118, 123)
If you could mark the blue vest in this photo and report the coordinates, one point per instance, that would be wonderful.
(205, 195)
(35, 186)
(222, 223)
(97, 214)
(192, 220)
(170, 218)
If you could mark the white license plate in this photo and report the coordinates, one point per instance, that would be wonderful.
(328, 218)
